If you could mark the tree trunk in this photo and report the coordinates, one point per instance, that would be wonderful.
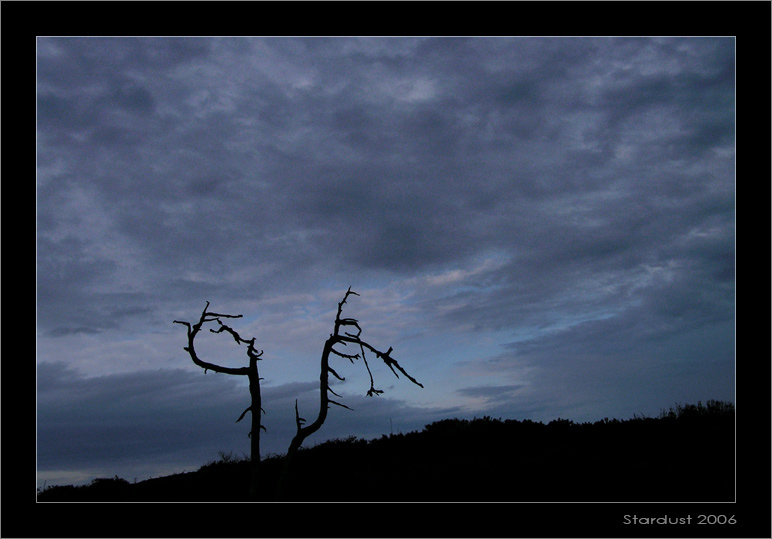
(286, 486)
(254, 384)
(254, 391)
(286, 480)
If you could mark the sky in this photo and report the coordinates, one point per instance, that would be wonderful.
(539, 227)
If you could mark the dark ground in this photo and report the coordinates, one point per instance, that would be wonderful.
(686, 454)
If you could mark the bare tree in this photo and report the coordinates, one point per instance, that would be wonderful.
(343, 338)
(249, 371)
(336, 338)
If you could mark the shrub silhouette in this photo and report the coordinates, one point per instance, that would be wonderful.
(688, 456)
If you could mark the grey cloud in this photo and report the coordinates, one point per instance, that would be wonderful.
(575, 270)
(287, 392)
(347, 201)
(65, 269)
(62, 331)
(71, 113)
(622, 365)
(131, 97)
(490, 393)
(96, 421)
(484, 391)
(70, 59)
(184, 418)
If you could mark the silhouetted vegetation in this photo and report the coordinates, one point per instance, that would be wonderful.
(687, 453)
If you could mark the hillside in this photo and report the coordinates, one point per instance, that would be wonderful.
(684, 454)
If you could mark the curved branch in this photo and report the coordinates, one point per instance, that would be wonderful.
(191, 349)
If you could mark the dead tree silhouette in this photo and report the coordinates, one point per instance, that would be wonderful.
(249, 371)
(287, 477)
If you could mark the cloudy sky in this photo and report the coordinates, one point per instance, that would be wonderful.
(539, 227)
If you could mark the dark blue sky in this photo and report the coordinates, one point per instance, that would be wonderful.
(540, 227)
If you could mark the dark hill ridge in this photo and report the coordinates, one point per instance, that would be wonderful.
(685, 454)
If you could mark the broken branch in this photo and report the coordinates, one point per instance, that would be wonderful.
(249, 408)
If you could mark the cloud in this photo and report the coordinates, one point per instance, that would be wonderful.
(488, 391)
(182, 419)
(98, 420)
(375, 211)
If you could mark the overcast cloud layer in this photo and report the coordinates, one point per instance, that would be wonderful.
(539, 227)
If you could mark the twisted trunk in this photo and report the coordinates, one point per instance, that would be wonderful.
(286, 480)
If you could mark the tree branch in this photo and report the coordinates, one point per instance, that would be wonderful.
(330, 401)
(347, 356)
(298, 420)
(372, 391)
(249, 409)
(387, 359)
(195, 328)
(223, 327)
(335, 374)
